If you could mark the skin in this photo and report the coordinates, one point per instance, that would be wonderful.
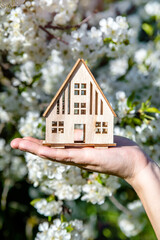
(127, 160)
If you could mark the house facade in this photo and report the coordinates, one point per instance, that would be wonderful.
(79, 114)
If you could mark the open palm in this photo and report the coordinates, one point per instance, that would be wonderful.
(125, 160)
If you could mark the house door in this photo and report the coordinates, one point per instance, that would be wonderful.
(79, 133)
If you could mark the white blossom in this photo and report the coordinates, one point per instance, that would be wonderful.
(31, 125)
(58, 230)
(50, 208)
(131, 225)
(152, 8)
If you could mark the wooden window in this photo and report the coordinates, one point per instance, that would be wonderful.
(83, 92)
(58, 127)
(63, 103)
(96, 103)
(58, 107)
(76, 85)
(91, 95)
(104, 124)
(83, 85)
(76, 108)
(80, 88)
(83, 105)
(98, 130)
(61, 123)
(101, 127)
(76, 92)
(98, 127)
(104, 127)
(76, 105)
(83, 112)
(76, 111)
(69, 90)
(104, 131)
(98, 124)
(54, 130)
(101, 107)
(76, 88)
(79, 108)
(54, 123)
(61, 130)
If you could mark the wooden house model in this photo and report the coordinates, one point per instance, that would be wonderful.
(79, 114)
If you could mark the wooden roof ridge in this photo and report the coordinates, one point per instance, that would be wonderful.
(66, 81)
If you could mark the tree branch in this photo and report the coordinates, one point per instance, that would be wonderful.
(58, 27)
(119, 205)
(52, 36)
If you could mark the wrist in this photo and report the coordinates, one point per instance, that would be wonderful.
(147, 186)
(150, 174)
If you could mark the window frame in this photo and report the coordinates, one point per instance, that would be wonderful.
(101, 127)
(80, 89)
(58, 127)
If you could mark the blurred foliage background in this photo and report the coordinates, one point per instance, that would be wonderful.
(39, 43)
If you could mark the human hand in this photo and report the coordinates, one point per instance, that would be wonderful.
(125, 160)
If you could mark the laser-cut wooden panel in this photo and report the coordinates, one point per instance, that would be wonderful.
(79, 101)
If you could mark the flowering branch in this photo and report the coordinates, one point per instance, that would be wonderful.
(58, 27)
(52, 36)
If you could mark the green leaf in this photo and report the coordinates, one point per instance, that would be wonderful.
(148, 29)
(69, 228)
(33, 202)
(50, 198)
(157, 39)
(130, 99)
(135, 103)
(148, 117)
(63, 219)
(107, 40)
(152, 110)
(137, 121)
(107, 232)
(49, 218)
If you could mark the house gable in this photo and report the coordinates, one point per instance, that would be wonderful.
(79, 105)
(85, 77)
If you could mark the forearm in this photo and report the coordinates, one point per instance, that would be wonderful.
(147, 186)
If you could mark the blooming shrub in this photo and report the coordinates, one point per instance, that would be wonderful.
(39, 42)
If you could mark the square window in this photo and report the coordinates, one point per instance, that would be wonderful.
(104, 124)
(98, 124)
(83, 85)
(104, 131)
(61, 130)
(83, 112)
(76, 92)
(61, 123)
(54, 130)
(98, 130)
(83, 105)
(76, 85)
(76, 105)
(76, 111)
(54, 124)
(83, 92)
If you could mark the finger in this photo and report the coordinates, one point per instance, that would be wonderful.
(42, 151)
(77, 157)
(35, 140)
(15, 143)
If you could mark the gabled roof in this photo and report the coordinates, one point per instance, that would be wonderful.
(66, 82)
